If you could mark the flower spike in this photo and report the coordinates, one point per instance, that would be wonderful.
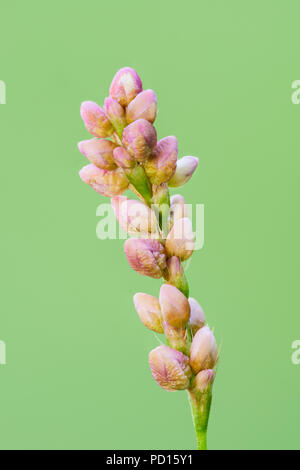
(125, 155)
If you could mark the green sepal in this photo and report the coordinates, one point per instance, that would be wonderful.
(138, 178)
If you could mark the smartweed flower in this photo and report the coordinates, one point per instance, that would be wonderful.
(125, 154)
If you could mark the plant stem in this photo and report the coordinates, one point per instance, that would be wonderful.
(140, 182)
(200, 406)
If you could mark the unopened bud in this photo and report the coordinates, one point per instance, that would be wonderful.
(162, 164)
(116, 114)
(146, 256)
(174, 305)
(197, 318)
(99, 152)
(177, 199)
(203, 380)
(125, 86)
(135, 217)
(123, 159)
(95, 120)
(116, 202)
(140, 139)
(184, 171)
(204, 351)
(148, 309)
(180, 241)
(178, 208)
(170, 368)
(144, 106)
(176, 276)
(107, 183)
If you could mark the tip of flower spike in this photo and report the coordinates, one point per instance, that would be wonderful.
(125, 85)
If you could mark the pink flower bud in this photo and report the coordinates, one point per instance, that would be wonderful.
(174, 305)
(204, 351)
(135, 217)
(99, 152)
(162, 165)
(197, 318)
(147, 257)
(180, 240)
(116, 114)
(95, 120)
(125, 86)
(184, 171)
(170, 368)
(116, 202)
(177, 199)
(178, 208)
(175, 275)
(123, 159)
(144, 106)
(149, 312)
(107, 183)
(140, 139)
(204, 379)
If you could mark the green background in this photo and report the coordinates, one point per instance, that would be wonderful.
(77, 374)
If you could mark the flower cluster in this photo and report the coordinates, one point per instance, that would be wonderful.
(180, 365)
(125, 154)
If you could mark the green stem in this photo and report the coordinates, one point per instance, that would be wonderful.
(200, 406)
(139, 180)
(161, 204)
(200, 401)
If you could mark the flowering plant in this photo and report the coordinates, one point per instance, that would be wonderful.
(124, 154)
